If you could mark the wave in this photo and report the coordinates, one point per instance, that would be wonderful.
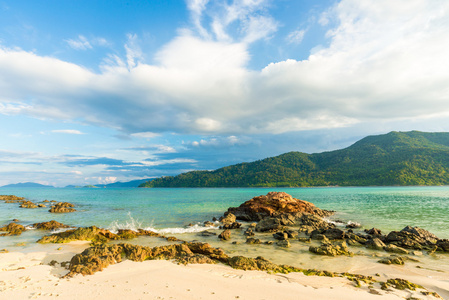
(135, 225)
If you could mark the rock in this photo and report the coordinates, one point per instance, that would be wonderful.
(249, 232)
(208, 224)
(274, 204)
(4, 251)
(225, 235)
(422, 233)
(408, 240)
(269, 243)
(352, 242)
(12, 229)
(172, 239)
(15, 220)
(259, 263)
(353, 225)
(395, 249)
(375, 244)
(357, 238)
(284, 244)
(334, 234)
(308, 223)
(392, 260)
(253, 241)
(291, 234)
(28, 204)
(11, 198)
(50, 225)
(280, 236)
(62, 207)
(234, 225)
(206, 233)
(374, 231)
(41, 205)
(269, 224)
(229, 218)
(443, 245)
(329, 249)
(402, 284)
(46, 201)
(92, 233)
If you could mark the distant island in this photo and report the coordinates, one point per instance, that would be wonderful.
(396, 158)
(26, 184)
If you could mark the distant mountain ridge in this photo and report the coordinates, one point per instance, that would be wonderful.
(26, 184)
(395, 158)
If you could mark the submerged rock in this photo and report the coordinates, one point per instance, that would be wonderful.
(274, 204)
(11, 198)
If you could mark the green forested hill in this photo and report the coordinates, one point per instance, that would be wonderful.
(396, 158)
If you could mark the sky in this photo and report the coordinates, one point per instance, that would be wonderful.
(95, 92)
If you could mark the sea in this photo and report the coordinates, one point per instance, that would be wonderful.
(181, 212)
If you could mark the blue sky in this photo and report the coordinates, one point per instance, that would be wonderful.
(93, 92)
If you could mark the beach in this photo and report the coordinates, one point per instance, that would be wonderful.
(28, 276)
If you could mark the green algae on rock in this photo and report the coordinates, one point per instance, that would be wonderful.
(12, 229)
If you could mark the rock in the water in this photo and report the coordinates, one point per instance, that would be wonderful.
(269, 224)
(206, 233)
(234, 225)
(208, 224)
(28, 204)
(50, 225)
(280, 236)
(229, 218)
(274, 204)
(408, 240)
(225, 235)
(12, 229)
(329, 249)
(62, 207)
(249, 232)
(443, 245)
(253, 241)
(12, 198)
(284, 244)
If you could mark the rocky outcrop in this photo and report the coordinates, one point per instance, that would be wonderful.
(50, 225)
(11, 198)
(12, 229)
(274, 204)
(62, 207)
(308, 223)
(412, 238)
(375, 244)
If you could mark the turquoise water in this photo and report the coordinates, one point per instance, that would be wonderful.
(387, 208)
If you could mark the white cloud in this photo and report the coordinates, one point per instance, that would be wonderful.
(146, 135)
(385, 61)
(295, 37)
(79, 44)
(67, 131)
(83, 43)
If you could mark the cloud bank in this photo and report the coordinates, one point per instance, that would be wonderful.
(385, 61)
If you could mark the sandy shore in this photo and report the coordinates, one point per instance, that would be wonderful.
(29, 276)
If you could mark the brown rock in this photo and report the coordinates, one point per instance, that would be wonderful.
(28, 204)
(51, 225)
(225, 235)
(12, 229)
(62, 207)
(272, 205)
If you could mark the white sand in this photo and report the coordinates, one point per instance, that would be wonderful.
(28, 276)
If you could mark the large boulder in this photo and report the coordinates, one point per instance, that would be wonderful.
(274, 204)
(412, 238)
(422, 233)
(62, 207)
(12, 229)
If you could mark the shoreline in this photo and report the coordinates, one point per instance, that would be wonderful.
(29, 276)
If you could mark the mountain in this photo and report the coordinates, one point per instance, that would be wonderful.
(395, 158)
(133, 183)
(26, 184)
